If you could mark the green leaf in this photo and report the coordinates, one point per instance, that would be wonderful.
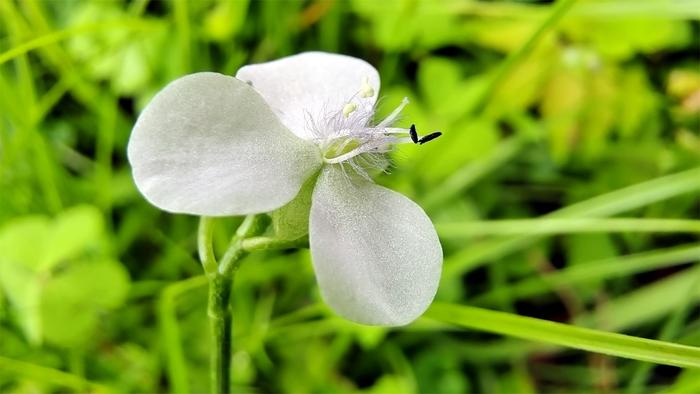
(68, 324)
(19, 261)
(71, 233)
(19, 239)
(544, 331)
(22, 287)
(71, 301)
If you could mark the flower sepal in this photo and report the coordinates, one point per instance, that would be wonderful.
(291, 221)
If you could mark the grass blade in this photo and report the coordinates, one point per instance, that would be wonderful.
(39, 373)
(176, 364)
(546, 226)
(646, 303)
(608, 204)
(56, 36)
(596, 270)
(669, 331)
(538, 330)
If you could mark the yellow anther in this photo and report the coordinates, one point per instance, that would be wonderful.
(366, 90)
(349, 108)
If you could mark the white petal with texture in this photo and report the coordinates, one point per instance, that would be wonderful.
(309, 89)
(208, 144)
(376, 254)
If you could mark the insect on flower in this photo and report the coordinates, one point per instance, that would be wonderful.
(215, 145)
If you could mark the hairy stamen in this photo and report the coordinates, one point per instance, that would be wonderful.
(348, 138)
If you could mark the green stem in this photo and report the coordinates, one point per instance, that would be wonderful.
(256, 244)
(205, 245)
(221, 322)
(219, 310)
(252, 225)
(220, 276)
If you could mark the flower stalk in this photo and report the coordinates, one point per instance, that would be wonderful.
(251, 225)
(220, 276)
(205, 246)
(221, 324)
(218, 310)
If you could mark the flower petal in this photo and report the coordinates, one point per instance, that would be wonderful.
(376, 254)
(208, 144)
(310, 88)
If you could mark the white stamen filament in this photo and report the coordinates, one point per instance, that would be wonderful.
(393, 115)
(366, 132)
(367, 147)
(381, 145)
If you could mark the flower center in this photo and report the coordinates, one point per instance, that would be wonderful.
(348, 137)
(339, 147)
(345, 144)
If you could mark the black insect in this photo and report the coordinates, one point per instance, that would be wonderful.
(429, 137)
(414, 134)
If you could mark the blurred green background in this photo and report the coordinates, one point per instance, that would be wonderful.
(99, 291)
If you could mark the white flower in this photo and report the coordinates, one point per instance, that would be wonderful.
(214, 145)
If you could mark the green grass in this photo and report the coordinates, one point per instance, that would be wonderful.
(641, 349)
